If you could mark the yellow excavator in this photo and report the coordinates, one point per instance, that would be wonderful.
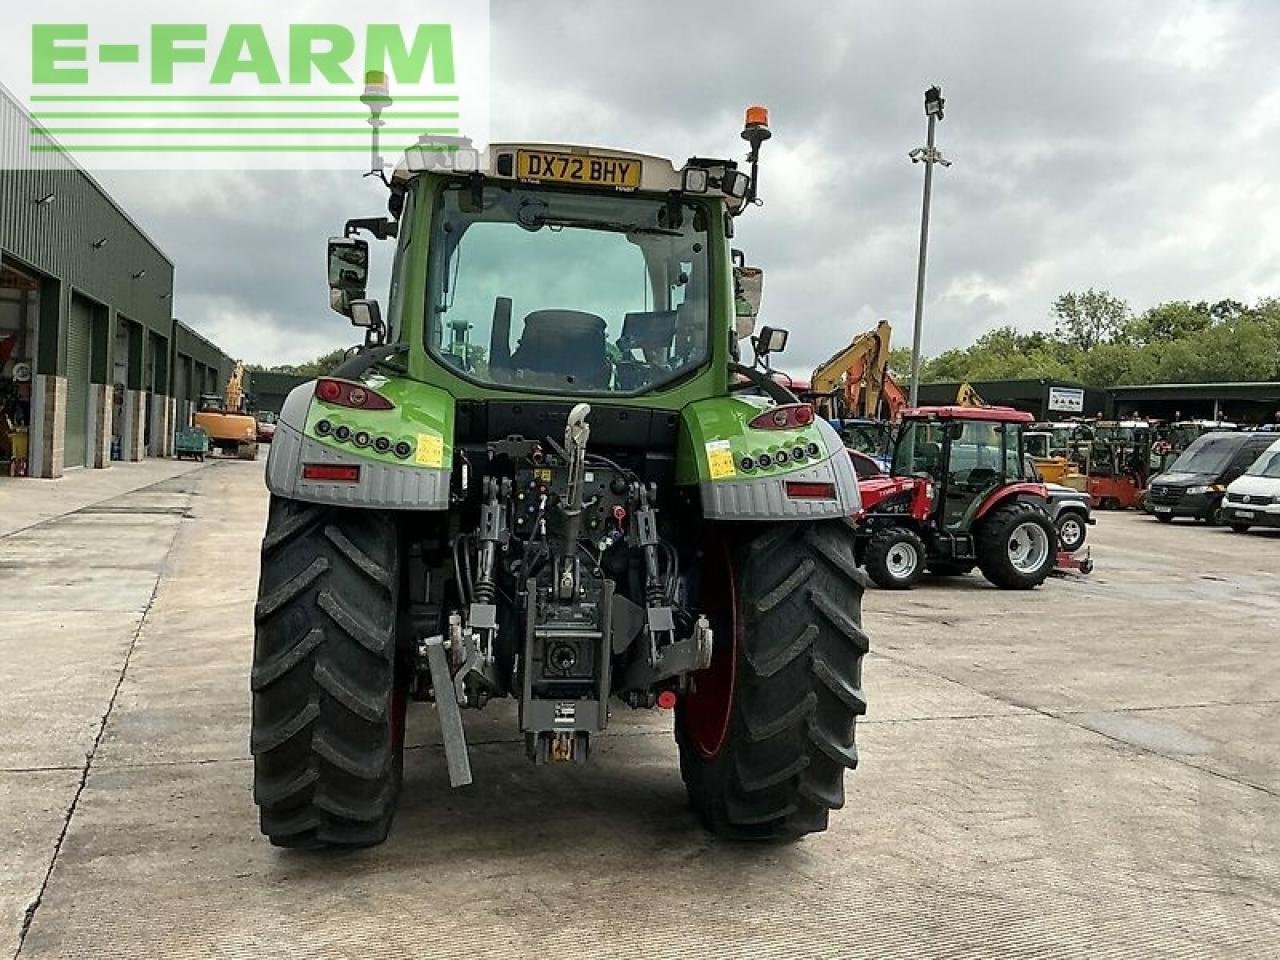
(857, 393)
(856, 382)
(231, 429)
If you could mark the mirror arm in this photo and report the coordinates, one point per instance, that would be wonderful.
(380, 228)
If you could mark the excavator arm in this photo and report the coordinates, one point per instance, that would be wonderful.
(857, 373)
(895, 397)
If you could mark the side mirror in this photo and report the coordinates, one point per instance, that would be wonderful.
(748, 285)
(348, 271)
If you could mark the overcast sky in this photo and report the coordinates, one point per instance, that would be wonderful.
(1131, 146)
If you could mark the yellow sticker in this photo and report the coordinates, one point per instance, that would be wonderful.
(720, 459)
(542, 475)
(430, 450)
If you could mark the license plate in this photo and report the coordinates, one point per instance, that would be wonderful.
(1243, 514)
(551, 166)
(1164, 509)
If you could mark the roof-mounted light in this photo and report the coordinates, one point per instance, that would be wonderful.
(694, 180)
(735, 183)
(441, 154)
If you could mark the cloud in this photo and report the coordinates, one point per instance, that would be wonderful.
(1095, 144)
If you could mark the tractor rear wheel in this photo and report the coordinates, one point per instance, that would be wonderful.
(1015, 544)
(895, 558)
(328, 710)
(767, 731)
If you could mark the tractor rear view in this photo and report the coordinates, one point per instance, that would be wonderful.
(957, 497)
(543, 481)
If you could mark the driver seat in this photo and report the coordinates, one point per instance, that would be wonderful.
(567, 343)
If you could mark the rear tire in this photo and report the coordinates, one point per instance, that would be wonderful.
(1163, 517)
(895, 558)
(787, 676)
(1001, 538)
(328, 712)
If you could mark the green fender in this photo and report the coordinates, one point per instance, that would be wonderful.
(720, 452)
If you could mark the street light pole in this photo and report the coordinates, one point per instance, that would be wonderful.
(928, 155)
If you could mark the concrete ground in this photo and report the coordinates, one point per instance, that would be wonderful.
(1092, 769)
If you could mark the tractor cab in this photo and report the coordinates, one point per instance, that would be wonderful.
(966, 453)
(957, 496)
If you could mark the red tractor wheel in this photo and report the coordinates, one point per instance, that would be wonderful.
(895, 558)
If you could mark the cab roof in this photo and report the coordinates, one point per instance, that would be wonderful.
(952, 412)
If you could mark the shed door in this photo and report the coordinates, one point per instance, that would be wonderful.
(79, 339)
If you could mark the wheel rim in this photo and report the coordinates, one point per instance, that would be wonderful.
(1070, 532)
(902, 560)
(708, 706)
(1028, 547)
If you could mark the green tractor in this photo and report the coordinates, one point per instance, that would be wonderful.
(549, 476)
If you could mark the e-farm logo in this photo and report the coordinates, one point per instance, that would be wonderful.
(257, 94)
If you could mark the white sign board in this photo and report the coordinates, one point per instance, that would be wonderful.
(1066, 399)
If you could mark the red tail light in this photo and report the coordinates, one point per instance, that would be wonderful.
(344, 393)
(789, 416)
(331, 472)
(800, 490)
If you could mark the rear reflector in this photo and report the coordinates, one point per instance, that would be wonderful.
(799, 490)
(332, 472)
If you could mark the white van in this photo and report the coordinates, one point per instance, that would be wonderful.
(1253, 499)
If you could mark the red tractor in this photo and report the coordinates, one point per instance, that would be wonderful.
(957, 496)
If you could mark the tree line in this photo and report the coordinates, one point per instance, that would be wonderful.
(1099, 341)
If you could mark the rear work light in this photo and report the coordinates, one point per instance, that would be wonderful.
(800, 490)
(789, 416)
(344, 393)
(331, 472)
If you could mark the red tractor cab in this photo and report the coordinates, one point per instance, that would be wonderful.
(957, 496)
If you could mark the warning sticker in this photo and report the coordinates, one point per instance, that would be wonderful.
(430, 450)
(720, 459)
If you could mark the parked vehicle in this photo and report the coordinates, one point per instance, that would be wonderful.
(1253, 499)
(1070, 509)
(266, 425)
(557, 484)
(231, 429)
(1194, 484)
(957, 497)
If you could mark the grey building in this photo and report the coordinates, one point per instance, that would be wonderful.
(88, 342)
(1245, 403)
(268, 389)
